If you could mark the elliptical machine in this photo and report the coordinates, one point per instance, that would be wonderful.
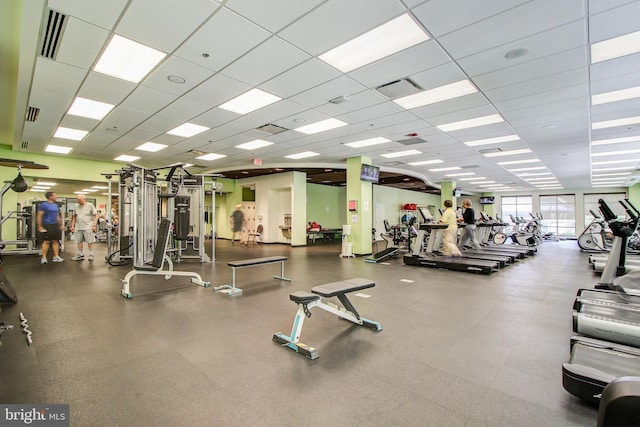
(593, 238)
(519, 236)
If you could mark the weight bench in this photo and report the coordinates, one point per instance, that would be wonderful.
(156, 268)
(307, 300)
(231, 289)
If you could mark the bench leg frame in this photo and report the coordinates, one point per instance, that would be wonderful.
(232, 290)
(126, 282)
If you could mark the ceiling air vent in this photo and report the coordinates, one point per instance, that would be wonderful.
(339, 100)
(396, 163)
(470, 167)
(271, 129)
(196, 152)
(52, 34)
(399, 88)
(489, 150)
(24, 145)
(32, 114)
(412, 141)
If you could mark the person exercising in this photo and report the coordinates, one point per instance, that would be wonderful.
(449, 217)
(237, 218)
(84, 225)
(469, 232)
(49, 224)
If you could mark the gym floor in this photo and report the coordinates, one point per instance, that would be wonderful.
(457, 349)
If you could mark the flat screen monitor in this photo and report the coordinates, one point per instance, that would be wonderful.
(487, 200)
(370, 173)
(457, 192)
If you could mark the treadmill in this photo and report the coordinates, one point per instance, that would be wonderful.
(487, 224)
(433, 260)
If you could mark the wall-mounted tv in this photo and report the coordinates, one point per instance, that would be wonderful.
(457, 192)
(370, 173)
(487, 200)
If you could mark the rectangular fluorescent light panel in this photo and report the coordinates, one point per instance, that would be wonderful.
(532, 168)
(524, 175)
(187, 165)
(508, 153)
(89, 108)
(58, 149)
(401, 154)
(126, 158)
(460, 174)
(616, 95)
(615, 153)
(37, 187)
(302, 155)
(495, 140)
(68, 133)
(211, 156)
(482, 182)
(367, 142)
(615, 162)
(438, 94)
(614, 123)
(80, 192)
(611, 174)
(187, 130)
(471, 123)
(151, 147)
(615, 47)
(250, 101)
(35, 190)
(426, 162)
(452, 168)
(321, 126)
(50, 184)
(615, 140)
(100, 187)
(518, 162)
(473, 178)
(252, 145)
(396, 35)
(128, 60)
(89, 190)
(621, 168)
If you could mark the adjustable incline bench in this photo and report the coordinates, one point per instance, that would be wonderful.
(307, 300)
(157, 266)
(231, 289)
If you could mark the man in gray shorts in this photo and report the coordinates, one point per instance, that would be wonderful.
(85, 220)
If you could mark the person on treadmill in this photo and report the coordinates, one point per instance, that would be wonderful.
(237, 220)
(49, 224)
(449, 217)
(469, 232)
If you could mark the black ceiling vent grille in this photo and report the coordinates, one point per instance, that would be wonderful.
(412, 141)
(271, 129)
(393, 163)
(32, 114)
(470, 167)
(399, 88)
(24, 145)
(490, 150)
(52, 34)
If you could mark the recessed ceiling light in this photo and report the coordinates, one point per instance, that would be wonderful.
(58, 149)
(615, 140)
(245, 172)
(187, 165)
(426, 162)
(481, 182)
(508, 153)
(321, 126)
(401, 154)
(615, 47)
(615, 162)
(605, 185)
(616, 95)
(250, 101)
(100, 187)
(615, 153)
(50, 184)
(91, 109)
(532, 174)
(128, 60)
(559, 187)
(396, 35)
(519, 162)
(620, 168)
(610, 174)
(532, 168)
(80, 192)
(37, 187)
(68, 133)
(442, 93)
(496, 140)
(475, 178)
(187, 130)
(126, 158)
(35, 190)
(211, 156)
(89, 190)
(451, 168)
(367, 142)
(151, 147)
(278, 169)
(551, 178)
(460, 174)
(176, 79)
(516, 53)
(614, 123)
(471, 123)
(252, 145)
(302, 155)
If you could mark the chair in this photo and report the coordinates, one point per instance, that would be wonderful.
(253, 237)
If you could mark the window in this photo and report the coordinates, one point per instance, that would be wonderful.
(559, 214)
(516, 206)
(591, 203)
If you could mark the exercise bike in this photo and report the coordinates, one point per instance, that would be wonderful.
(593, 238)
(519, 236)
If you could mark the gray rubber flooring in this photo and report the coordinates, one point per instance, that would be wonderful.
(457, 349)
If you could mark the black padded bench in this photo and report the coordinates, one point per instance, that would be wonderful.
(308, 300)
(231, 289)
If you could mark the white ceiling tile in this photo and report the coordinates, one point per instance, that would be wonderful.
(439, 76)
(597, 6)
(396, 119)
(52, 104)
(300, 78)
(342, 86)
(337, 21)
(214, 118)
(370, 113)
(105, 89)
(164, 26)
(615, 67)
(450, 106)
(616, 83)
(147, 100)
(160, 124)
(184, 109)
(98, 12)
(517, 23)
(174, 66)
(410, 61)
(56, 76)
(358, 101)
(35, 132)
(615, 22)
(123, 119)
(217, 90)
(413, 3)
(459, 13)
(98, 139)
(470, 113)
(540, 86)
(225, 37)
(141, 134)
(266, 61)
(76, 122)
(274, 14)
(81, 43)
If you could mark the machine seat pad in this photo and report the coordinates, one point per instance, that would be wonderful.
(146, 268)
(302, 297)
(256, 261)
(344, 287)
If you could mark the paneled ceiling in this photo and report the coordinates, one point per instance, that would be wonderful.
(528, 61)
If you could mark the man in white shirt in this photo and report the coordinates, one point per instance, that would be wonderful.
(85, 220)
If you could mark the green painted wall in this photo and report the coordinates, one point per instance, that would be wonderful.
(634, 195)
(327, 205)
(361, 191)
(394, 198)
(446, 190)
(10, 27)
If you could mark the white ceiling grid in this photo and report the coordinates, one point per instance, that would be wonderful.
(224, 49)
